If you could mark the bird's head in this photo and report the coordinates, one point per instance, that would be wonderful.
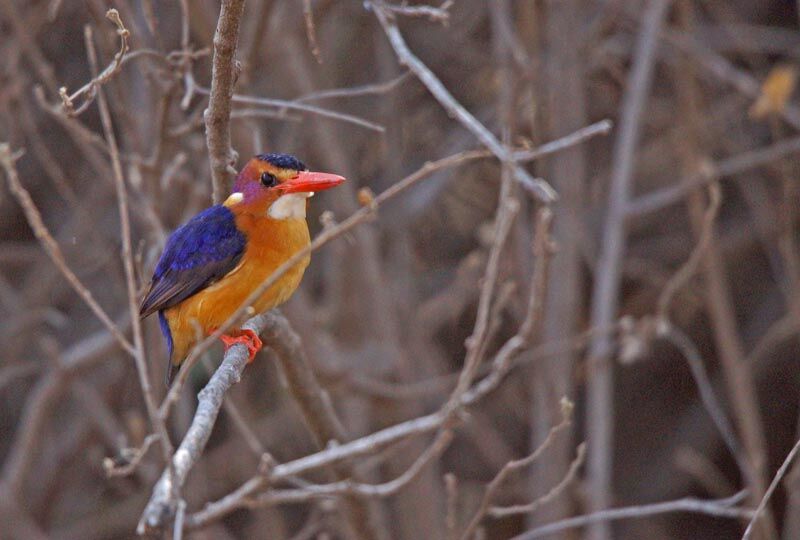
(277, 185)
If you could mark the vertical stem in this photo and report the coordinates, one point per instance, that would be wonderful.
(127, 258)
(218, 115)
(600, 406)
(563, 88)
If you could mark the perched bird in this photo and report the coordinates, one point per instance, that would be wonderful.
(211, 264)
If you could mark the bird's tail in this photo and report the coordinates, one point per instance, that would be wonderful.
(172, 368)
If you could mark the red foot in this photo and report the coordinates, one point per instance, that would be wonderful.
(248, 338)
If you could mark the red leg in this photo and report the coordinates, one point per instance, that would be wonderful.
(248, 338)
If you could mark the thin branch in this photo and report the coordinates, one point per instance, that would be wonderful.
(603, 127)
(439, 14)
(712, 405)
(223, 78)
(236, 416)
(716, 507)
(689, 268)
(314, 403)
(651, 202)
(311, 31)
(297, 106)
(180, 518)
(356, 91)
(506, 212)
(762, 505)
(38, 404)
(567, 408)
(348, 487)
(131, 456)
(90, 88)
(555, 491)
(317, 410)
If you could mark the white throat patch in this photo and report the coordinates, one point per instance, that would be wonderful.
(291, 205)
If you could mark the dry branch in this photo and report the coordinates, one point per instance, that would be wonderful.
(223, 79)
(725, 508)
(163, 503)
(493, 487)
(762, 505)
(98, 79)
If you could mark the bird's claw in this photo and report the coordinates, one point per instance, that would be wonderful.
(248, 338)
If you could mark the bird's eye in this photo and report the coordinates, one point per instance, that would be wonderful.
(269, 179)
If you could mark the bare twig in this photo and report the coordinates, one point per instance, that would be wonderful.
(132, 457)
(90, 88)
(688, 269)
(762, 505)
(79, 356)
(731, 166)
(356, 91)
(492, 488)
(717, 507)
(311, 31)
(236, 416)
(283, 105)
(555, 491)
(689, 351)
(317, 410)
(180, 517)
(27, 41)
(314, 402)
(603, 127)
(348, 487)
(223, 78)
(439, 14)
(475, 343)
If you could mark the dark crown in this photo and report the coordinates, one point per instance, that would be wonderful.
(283, 161)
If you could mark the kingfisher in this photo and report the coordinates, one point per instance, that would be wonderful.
(211, 264)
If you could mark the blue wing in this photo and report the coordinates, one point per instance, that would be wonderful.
(196, 255)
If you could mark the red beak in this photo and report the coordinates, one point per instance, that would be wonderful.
(307, 181)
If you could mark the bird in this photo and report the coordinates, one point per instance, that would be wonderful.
(213, 262)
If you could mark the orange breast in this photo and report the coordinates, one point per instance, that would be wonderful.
(269, 244)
